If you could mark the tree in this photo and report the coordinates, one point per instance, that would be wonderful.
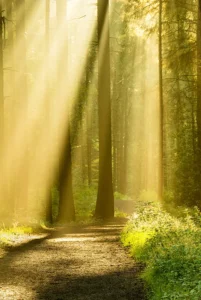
(65, 187)
(179, 97)
(1, 75)
(48, 99)
(90, 63)
(9, 122)
(199, 93)
(161, 140)
(105, 197)
(1, 100)
(22, 103)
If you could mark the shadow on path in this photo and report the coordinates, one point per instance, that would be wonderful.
(72, 263)
(116, 285)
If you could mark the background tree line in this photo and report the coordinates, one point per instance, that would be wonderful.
(110, 115)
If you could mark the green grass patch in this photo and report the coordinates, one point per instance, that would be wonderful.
(10, 235)
(170, 247)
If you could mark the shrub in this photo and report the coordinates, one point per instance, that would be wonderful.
(171, 249)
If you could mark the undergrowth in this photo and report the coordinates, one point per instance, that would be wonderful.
(170, 247)
(85, 200)
(85, 203)
(8, 235)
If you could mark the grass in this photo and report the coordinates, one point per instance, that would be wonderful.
(8, 236)
(170, 247)
(16, 233)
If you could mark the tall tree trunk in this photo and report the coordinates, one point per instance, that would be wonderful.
(89, 145)
(48, 105)
(126, 128)
(82, 150)
(21, 105)
(1, 79)
(105, 197)
(66, 201)
(161, 136)
(89, 121)
(121, 140)
(1, 107)
(115, 129)
(199, 95)
(11, 121)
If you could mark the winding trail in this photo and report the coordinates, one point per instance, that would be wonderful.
(76, 263)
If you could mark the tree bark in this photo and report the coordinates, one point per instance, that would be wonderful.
(161, 112)
(89, 121)
(48, 213)
(1, 109)
(65, 186)
(22, 104)
(105, 197)
(199, 96)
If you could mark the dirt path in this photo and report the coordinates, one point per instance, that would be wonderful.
(73, 264)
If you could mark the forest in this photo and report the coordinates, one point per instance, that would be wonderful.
(100, 149)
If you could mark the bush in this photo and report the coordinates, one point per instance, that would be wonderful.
(170, 247)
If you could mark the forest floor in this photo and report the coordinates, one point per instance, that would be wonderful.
(74, 263)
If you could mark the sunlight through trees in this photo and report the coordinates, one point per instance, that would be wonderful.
(99, 101)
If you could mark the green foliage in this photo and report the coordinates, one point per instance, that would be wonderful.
(182, 167)
(18, 230)
(120, 196)
(120, 214)
(85, 200)
(170, 248)
(9, 235)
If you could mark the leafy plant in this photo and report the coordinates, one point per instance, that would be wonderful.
(170, 248)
